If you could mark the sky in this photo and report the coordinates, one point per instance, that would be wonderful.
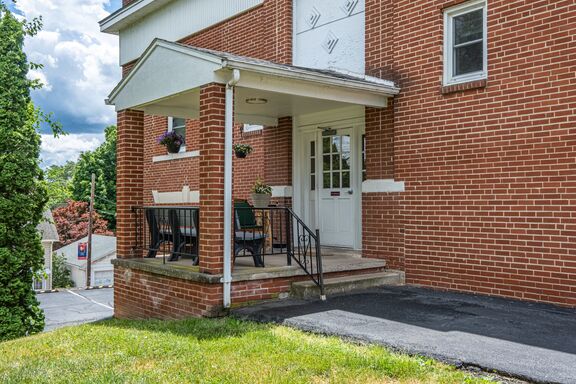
(80, 69)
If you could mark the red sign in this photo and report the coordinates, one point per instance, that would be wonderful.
(82, 251)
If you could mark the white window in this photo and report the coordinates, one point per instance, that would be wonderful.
(465, 43)
(178, 125)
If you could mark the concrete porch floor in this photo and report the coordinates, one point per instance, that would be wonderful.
(334, 260)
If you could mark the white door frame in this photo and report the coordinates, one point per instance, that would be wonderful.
(306, 126)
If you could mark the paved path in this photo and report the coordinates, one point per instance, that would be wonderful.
(531, 341)
(72, 307)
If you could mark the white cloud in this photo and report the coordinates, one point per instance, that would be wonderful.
(80, 62)
(60, 150)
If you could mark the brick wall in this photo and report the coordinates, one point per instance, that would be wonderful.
(490, 194)
(264, 32)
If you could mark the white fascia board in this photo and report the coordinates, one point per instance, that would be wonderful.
(295, 73)
(311, 89)
(129, 14)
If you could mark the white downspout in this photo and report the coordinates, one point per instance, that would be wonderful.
(228, 134)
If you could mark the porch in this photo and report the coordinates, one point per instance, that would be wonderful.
(204, 252)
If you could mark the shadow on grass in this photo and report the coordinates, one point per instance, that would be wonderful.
(200, 329)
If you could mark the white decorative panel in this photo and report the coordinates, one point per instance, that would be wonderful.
(329, 33)
(176, 20)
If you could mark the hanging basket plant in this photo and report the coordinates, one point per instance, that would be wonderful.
(172, 141)
(242, 150)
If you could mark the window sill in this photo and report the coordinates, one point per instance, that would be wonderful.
(475, 84)
(175, 156)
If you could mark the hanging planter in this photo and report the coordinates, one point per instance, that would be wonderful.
(242, 150)
(172, 141)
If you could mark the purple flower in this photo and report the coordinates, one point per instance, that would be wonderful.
(171, 137)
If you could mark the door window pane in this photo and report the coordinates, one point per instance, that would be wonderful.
(345, 179)
(335, 179)
(326, 182)
(336, 144)
(335, 162)
(326, 166)
(326, 145)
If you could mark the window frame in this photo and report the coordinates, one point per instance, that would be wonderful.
(449, 15)
(171, 128)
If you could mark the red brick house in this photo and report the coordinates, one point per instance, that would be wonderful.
(435, 138)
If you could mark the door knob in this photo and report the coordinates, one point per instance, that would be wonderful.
(350, 192)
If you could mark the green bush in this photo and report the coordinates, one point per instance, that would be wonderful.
(60, 272)
(22, 190)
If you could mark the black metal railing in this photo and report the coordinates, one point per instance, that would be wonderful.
(173, 233)
(262, 232)
(170, 232)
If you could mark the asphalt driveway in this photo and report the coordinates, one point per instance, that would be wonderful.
(534, 342)
(72, 307)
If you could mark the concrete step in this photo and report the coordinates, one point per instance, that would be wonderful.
(336, 285)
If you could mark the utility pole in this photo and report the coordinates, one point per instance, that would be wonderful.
(90, 220)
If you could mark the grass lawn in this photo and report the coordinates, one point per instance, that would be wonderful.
(207, 351)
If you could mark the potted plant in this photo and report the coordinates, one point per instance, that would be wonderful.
(242, 150)
(172, 141)
(261, 194)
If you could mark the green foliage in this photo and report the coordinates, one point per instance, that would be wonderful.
(101, 162)
(59, 183)
(60, 272)
(22, 190)
(208, 351)
(245, 149)
(261, 187)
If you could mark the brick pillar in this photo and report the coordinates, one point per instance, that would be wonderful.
(211, 171)
(129, 178)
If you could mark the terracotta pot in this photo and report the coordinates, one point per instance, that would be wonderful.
(260, 200)
(173, 148)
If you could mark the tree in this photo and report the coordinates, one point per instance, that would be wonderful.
(101, 162)
(22, 190)
(59, 183)
(71, 222)
(60, 272)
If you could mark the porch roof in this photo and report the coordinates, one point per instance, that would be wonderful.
(168, 77)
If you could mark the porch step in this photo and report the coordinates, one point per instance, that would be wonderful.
(344, 284)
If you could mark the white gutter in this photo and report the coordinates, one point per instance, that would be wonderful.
(228, 134)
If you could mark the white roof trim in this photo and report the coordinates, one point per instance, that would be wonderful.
(345, 82)
(129, 14)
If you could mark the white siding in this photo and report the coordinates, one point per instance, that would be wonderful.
(329, 33)
(177, 20)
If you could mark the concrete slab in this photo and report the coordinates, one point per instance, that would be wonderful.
(533, 342)
(73, 307)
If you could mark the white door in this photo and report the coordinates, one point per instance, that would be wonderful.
(337, 204)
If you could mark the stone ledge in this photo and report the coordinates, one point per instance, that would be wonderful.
(156, 266)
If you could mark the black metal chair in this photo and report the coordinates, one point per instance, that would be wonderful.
(184, 223)
(159, 227)
(249, 239)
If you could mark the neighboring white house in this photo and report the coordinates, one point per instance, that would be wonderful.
(103, 252)
(49, 235)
